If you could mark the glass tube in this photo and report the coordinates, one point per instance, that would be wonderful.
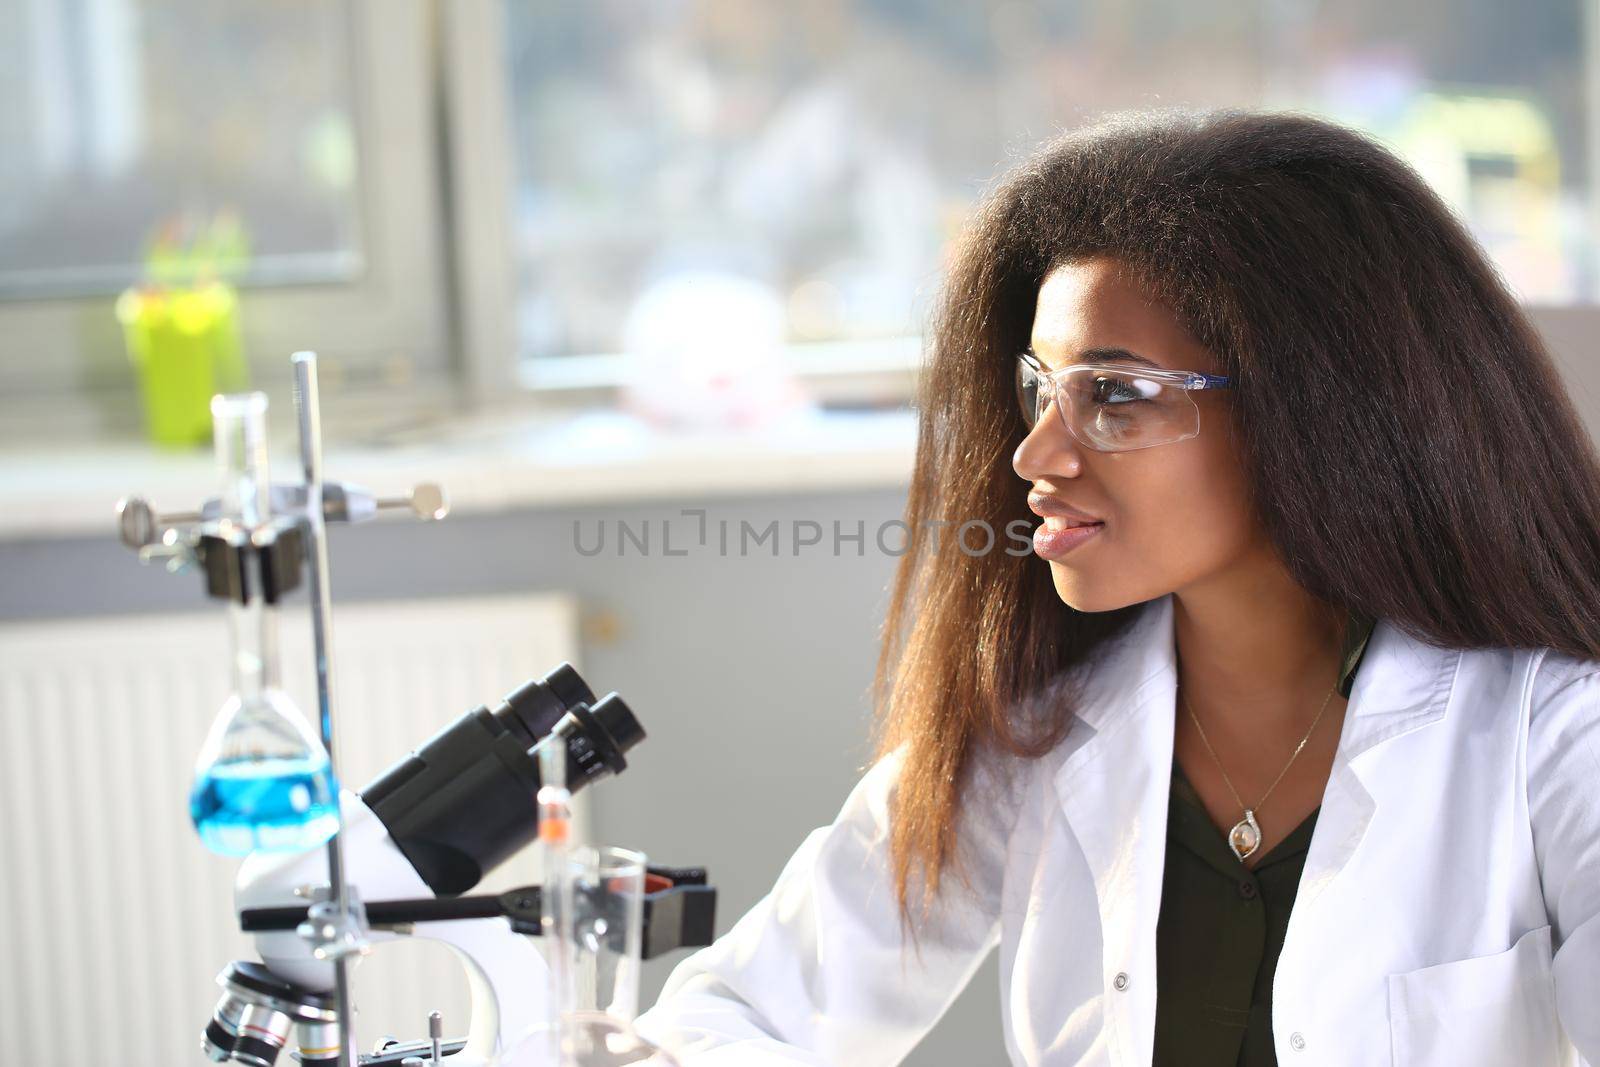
(239, 436)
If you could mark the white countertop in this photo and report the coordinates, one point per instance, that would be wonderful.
(485, 465)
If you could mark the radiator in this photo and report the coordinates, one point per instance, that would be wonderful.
(114, 920)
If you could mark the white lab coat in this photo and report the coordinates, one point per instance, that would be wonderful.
(1448, 912)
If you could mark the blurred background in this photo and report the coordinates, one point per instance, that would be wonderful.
(661, 266)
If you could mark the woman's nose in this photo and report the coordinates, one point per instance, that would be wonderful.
(1048, 449)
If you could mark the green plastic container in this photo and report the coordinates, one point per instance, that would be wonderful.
(184, 344)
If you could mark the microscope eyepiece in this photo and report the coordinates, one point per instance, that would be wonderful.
(568, 687)
(619, 722)
(533, 708)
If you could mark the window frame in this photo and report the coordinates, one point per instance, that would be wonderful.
(388, 325)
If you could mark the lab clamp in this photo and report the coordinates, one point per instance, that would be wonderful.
(402, 853)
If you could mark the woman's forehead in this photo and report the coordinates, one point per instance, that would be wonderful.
(1090, 310)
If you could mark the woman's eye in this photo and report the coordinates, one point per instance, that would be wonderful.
(1115, 391)
(1027, 387)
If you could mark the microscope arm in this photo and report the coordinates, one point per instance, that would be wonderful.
(505, 973)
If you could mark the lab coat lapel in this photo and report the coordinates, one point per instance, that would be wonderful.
(1114, 783)
(1402, 685)
(1113, 787)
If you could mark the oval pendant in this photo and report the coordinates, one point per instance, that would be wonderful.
(1245, 835)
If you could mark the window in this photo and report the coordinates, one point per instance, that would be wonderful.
(144, 120)
(802, 166)
(305, 126)
(512, 196)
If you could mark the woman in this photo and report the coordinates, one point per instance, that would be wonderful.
(1286, 748)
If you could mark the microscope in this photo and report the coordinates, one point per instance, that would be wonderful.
(404, 852)
(421, 834)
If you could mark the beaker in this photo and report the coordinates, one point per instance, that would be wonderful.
(263, 780)
(604, 935)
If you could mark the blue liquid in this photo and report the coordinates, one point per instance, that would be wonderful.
(275, 805)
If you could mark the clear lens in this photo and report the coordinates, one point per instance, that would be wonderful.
(1117, 411)
(1027, 391)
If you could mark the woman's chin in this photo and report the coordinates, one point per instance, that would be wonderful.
(1070, 588)
(1081, 595)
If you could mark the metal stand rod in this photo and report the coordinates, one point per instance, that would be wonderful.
(308, 407)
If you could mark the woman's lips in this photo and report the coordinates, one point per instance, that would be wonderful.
(1058, 536)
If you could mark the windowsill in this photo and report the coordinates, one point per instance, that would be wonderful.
(485, 465)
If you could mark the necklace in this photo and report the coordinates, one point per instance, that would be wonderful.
(1245, 837)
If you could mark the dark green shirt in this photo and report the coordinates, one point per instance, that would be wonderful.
(1222, 926)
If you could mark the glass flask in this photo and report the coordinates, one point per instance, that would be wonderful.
(263, 780)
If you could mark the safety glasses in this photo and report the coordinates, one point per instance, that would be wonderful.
(1114, 408)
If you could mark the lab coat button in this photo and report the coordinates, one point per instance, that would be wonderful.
(1296, 1041)
(1121, 980)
